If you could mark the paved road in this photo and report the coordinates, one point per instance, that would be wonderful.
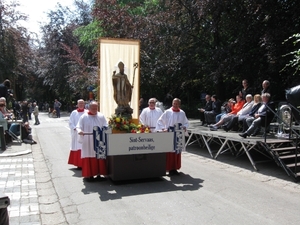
(223, 191)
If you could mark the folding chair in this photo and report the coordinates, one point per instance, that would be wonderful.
(13, 135)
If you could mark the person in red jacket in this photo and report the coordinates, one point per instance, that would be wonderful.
(227, 117)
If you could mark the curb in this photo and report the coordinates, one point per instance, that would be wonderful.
(16, 153)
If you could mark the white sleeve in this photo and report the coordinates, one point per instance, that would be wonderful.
(143, 117)
(161, 122)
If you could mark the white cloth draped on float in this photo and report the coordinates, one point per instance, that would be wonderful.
(112, 51)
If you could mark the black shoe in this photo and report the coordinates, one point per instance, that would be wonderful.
(225, 128)
(173, 172)
(213, 128)
(89, 179)
(244, 135)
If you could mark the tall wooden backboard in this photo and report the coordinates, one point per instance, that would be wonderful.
(111, 52)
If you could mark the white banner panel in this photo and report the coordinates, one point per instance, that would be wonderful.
(144, 143)
(111, 52)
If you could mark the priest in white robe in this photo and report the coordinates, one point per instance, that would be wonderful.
(75, 148)
(170, 117)
(150, 115)
(91, 166)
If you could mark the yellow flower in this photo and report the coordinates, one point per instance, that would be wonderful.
(121, 123)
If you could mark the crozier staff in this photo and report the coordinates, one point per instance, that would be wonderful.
(122, 87)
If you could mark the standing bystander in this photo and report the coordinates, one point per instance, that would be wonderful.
(24, 111)
(36, 113)
(246, 90)
(30, 110)
(57, 106)
(4, 89)
(266, 87)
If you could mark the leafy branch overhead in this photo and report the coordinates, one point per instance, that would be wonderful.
(187, 47)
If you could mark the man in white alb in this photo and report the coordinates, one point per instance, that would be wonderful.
(150, 115)
(170, 117)
(75, 148)
(91, 166)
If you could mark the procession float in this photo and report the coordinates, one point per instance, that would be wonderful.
(132, 151)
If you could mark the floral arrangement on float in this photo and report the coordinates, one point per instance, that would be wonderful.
(122, 124)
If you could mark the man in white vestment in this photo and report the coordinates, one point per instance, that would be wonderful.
(91, 166)
(170, 117)
(150, 115)
(75, 148)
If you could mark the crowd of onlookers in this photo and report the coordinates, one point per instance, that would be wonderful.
(246, 113)
(15, 118)
(15, 115)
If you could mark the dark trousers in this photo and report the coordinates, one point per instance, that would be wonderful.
(57, 109)
(25, 117)
(202, 117)
(233, 123)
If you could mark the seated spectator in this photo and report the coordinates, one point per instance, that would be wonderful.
(225, 108)
(3, 118)
(241, 114)
(26, 134)
(7, 114)
(226, 118)
(255, 107)
(210, 116)
(259, 118)
(207, 107)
